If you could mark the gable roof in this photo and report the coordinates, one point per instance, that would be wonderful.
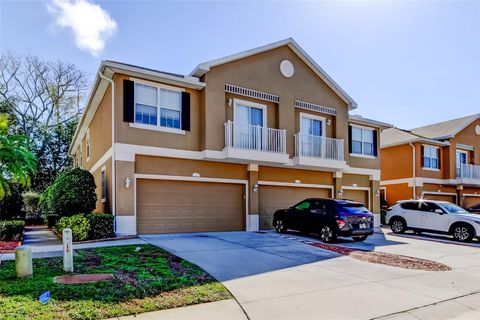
(394, 137)
(204, 67)
(446, 129)
(355, 118)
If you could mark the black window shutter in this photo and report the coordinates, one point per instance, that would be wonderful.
(349, 139)
(186, 111)
(439, 157)
(375, 139)
(422, 155)
(128, 101)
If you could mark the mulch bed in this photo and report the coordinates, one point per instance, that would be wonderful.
(394, 260)
(9, 246)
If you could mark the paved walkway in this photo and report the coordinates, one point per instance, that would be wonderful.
(38, 236)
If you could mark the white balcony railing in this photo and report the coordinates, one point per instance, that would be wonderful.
(468, 171)
(318, 146)
(257, 138)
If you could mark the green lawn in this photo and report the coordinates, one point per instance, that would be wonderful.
(148, 280)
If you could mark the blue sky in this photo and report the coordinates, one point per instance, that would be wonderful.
(406, 63)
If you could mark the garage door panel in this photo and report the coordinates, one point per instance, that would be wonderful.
(272, 198)
(356, 195)
(440, 197)
(470, 201)
(184, 206)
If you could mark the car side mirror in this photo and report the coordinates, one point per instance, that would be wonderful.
(439, 211)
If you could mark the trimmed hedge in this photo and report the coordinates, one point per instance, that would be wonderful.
(101, 225)
(51, 219)
(11, 229)
(79, 225)
(73, 192)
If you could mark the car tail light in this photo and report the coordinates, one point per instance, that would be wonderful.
(341, 223)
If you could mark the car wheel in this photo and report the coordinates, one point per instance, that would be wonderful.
(327, 234)
(398, 225)
(462, 232)
(280, 226)
(360, 239)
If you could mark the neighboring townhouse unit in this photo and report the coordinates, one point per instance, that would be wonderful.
(440, 161)
(224, 147)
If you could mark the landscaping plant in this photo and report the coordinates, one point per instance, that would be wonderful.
(101, 225)
(73, 192)
(11, 230)
(79, 225)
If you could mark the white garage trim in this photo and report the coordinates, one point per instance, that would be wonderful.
(471, 195)
(193, 179)
(361, 189)
(298, 185)
(439, 193)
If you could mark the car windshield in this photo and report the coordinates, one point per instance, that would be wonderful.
(452, 208)
(353, 207)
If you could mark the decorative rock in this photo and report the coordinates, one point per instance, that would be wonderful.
(23, 261)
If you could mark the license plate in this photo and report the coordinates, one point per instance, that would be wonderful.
(362, 226)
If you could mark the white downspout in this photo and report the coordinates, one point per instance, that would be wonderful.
(113, 150)
(414, 173)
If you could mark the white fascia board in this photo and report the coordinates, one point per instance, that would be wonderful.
(370, 122)
(426, 141)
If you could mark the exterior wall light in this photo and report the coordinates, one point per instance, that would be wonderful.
(230, 102)
(255, 188)
(127, 182)
(298, 181)
(340, 192)
(354, 185)
(196, 174)
(377, 193)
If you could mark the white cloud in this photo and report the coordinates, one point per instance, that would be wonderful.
(90, 24)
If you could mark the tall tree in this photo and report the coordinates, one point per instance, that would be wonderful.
(44, 100)
(17, 162)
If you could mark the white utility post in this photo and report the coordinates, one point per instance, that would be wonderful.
(23, 261)
(67, 250)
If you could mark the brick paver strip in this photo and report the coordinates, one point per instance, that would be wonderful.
(83, 278)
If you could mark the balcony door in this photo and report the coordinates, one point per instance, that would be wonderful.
(312, 131)
(462, 158)
(250, 120)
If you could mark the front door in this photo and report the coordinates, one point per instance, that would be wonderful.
(249, 123)
(311, 132)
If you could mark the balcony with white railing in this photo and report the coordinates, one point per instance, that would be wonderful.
(319, 151)
(469, 173)
(258, 143)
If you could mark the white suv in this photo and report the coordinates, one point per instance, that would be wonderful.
(435, 217)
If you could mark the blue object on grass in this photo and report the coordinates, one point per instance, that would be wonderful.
(44, 297)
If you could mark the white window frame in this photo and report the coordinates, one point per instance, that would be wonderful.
(438, 158)
(250, 104)
(315, 117)
(157, 127)
(465, 152)
(362, 155)
(88, 146)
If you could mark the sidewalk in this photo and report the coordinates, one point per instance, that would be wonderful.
(221, 310)
(45, 243)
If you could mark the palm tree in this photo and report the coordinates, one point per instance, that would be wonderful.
(17, 162)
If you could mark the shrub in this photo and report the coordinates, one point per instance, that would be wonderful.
(73, 192)
(11, 205)
(11, 229)
(30, 205)
(51, 219)
(101, 225)
(79, 225)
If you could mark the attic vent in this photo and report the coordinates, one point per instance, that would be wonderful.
(251, 93)
(315, 107)
(465, 147)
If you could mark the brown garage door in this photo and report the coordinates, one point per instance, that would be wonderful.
(180, 206)
(470, 201)
(356, 195)
(272, 198)
(439, 197)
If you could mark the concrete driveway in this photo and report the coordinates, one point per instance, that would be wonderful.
(278, 277)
